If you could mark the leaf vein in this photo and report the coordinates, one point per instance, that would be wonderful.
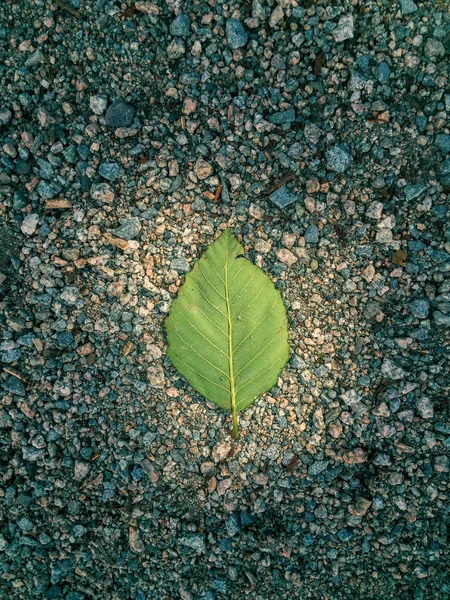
(198, 353)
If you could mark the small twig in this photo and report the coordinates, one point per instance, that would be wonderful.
(68, 8)
(281, 181)
(218, 193)
(15, 373)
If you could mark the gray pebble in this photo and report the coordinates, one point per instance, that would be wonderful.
(180, 265)
(181, 26)
(413, 191)
(237, 37)
(120, 114)
(344, 29)
(312, 234)
(408, 7)
(109, 171)
(420, 308)
(29, 224)
(98, 104)
(338, 159)
(283, 197)
(129, 229)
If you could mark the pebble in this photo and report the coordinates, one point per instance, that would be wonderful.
(283, 197)
(194, 541)
(420, 308)
(391, 370)
(181, 26)
(29, 224)
(344, 29)
(102, 192)
(98, 104)
(282, 117)
(120, 114)
(180, 265)
(338, 159)
(413, 191)
(15, 386)
(408, 7)
(5, 115)
(237, 37)
(202, 169)
(434, 49)
(312, 234)
(109, 171)
(425, 407)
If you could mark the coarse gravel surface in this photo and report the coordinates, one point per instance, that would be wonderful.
(131, 134)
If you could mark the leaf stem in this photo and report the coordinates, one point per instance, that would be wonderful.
(235, 423)
(230, 352)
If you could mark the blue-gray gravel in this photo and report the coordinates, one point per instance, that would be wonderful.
(320, 134)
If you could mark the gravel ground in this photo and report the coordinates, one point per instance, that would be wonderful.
(131, 133)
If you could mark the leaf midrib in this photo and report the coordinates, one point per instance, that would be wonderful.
(230, 345)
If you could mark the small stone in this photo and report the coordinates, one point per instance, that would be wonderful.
(361, 507)
(338, 159)
(420, 308)
(129, 229)
(5, 115)
(150, 8)
(335, 429)
(180, 265)
(413, 191)
(441, 319)
(134, 540)
(283, 197)
(351, 397)
(443, 142)
(232, 525)
(81, 469)
(176, 49)
(15, 386)
(286, 257)
(181, 26)
(344, 29)
(441, 464)
(237, 37)
(392, 371)
(58, 204)
(282, 117)
(220, 451)
(120, 114)
(29, 224)
(317, 467)
(425, 407)
(276, 16)
(195, 541)
(47, 190)
(109, 171)
(312, 234)
(408, 7)
(434, 49)
(98, 104)
(102, 192)
(65, 339)
(25, 524)
(202, 169)
(383, 72)
(156, 377)
(70, 295)
(384, 236)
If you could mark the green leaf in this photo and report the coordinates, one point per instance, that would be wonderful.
(227, 330)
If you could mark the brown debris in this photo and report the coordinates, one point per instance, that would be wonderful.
(58, 203)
